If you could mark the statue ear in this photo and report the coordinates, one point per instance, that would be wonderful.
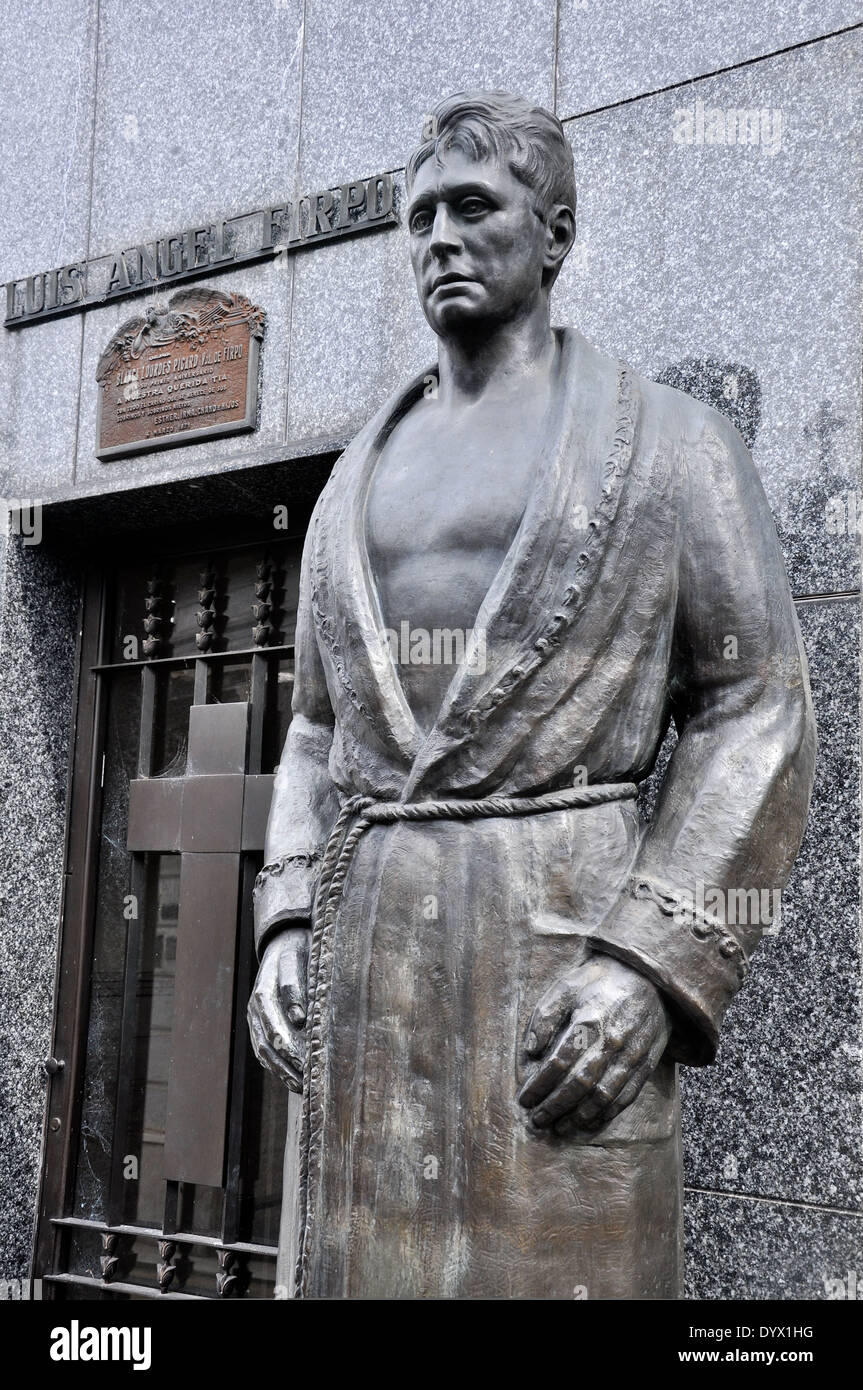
(560, 239)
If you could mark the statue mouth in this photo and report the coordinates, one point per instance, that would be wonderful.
(450, 280)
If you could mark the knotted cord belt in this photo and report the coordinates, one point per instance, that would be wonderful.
(335, 865)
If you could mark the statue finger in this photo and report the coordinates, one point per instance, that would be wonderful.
(256, 1011)
(256, 1032)
(624, 1077)
(579, 1035)
(642, 1063)
(597, 1106)
(292, 1048)
(551, 1070)
(264, 993)
(281, 1063)
(270, 1012)
(548, 1017)
(290, 1076)
(290, 1044)
(292, 991)
(578, 1082)
(277, 1034)
(628, 1092)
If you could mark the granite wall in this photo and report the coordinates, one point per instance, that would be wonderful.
(729, 268)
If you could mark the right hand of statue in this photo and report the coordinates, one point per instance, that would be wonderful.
(277, 1008)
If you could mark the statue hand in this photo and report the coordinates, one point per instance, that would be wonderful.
(599, 1031)
(277, 1008)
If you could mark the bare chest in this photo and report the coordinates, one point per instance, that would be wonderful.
(443, 508)
(452, 497)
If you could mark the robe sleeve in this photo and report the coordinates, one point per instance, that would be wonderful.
(734, 801)
(305, 803)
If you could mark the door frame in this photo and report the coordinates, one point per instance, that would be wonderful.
(71, 996)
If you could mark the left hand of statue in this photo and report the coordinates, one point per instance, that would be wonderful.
(598, 1031)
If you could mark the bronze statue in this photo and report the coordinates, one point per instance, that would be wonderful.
(505, 965)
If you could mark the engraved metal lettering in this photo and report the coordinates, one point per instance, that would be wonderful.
(184, 371)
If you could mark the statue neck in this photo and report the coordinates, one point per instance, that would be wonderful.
(492, 362)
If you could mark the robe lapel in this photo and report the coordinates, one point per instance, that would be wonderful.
(344, 593)
(538, 591)
(552, 563)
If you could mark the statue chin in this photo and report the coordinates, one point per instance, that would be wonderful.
(446, 316)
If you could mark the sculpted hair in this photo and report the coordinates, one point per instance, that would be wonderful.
(497, 125)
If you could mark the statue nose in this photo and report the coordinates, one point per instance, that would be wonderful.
(444, 235)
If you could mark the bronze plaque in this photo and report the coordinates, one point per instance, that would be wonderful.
(184, 371)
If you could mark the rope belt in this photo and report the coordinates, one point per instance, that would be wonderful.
(341, 846)
(343, 841)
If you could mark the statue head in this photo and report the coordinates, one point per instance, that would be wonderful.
(491, 210)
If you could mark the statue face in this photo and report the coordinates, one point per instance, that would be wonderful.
(477, 245)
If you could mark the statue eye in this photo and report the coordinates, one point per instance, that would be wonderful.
(421, 221)
(473, 207)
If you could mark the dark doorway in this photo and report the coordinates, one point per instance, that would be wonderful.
(165, 1139)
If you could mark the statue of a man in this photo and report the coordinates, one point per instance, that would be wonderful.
(477, 962)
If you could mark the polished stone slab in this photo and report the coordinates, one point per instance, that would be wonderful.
(372, 72)
(197, 115)
(43, 223)
(49, 69)
(780, 1114)
(610, 51)
(40, 606)
(357, 331)
(735, 270)
(40, 371)
(739, 1249)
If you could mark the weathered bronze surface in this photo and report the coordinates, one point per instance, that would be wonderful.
(187, 370)
(478, 962)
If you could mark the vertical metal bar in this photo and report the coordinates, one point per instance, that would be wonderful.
(138, 886)
(231, 1212)
(258, 700)
(172, 1207)
(202, 671)
(149, 680)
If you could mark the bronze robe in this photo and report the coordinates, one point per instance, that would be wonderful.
(646, 544)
